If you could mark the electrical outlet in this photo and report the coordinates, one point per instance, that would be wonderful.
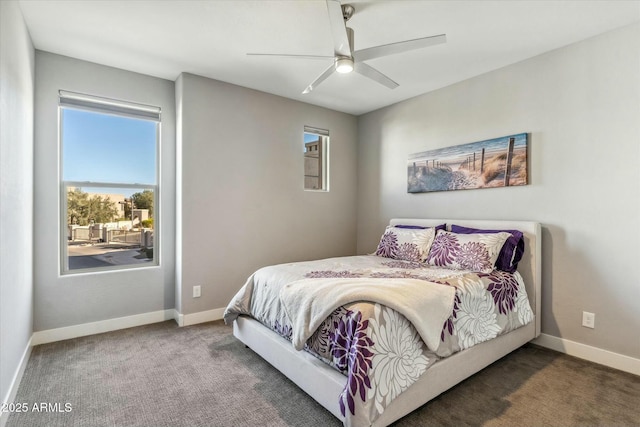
(588, 320)
(196, 291)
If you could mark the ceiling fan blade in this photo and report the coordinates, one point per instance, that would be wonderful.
(399, 47)
(341, 45)
(373, 74)
(284, 55)
(322, 77)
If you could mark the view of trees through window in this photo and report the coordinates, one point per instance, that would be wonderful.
(84, 208)
(109, 183)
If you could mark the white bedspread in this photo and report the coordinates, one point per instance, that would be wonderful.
(309, 302)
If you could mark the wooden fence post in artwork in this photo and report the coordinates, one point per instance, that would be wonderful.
(414, 169)
(482, 162)
(474, 160)
(507, 173)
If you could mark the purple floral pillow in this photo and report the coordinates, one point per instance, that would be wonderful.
(407, 244)
(474, 252)
(511, 252)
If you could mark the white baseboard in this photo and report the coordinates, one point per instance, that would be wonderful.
(592, 354)
(15, 383)
(75, 331)
(200, 317)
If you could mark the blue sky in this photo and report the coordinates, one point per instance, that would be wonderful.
(104, 148)
(463, 150)
(308, 137)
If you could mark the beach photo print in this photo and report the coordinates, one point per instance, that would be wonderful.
(498, 162)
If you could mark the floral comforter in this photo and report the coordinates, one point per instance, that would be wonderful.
(377, 348)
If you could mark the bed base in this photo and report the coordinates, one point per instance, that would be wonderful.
(324, 383)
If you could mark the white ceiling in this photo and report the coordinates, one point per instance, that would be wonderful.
(211, 38)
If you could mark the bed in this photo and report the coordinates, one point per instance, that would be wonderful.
(341, 389)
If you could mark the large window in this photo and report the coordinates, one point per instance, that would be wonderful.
(109, 183)
(316, 149)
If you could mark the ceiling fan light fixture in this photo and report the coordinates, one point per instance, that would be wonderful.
(344, 65)
(345, 57)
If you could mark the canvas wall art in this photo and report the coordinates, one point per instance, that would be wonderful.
(498, 162)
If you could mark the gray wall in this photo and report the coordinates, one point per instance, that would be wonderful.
(16, 191)
(80, 298)
(242, 200)
(581, 105)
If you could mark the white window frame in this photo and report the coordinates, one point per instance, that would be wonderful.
(324, 159)
(83, 102)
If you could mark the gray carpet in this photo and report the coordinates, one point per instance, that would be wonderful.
(162, 375)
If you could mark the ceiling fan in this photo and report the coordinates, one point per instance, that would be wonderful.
(346, 60)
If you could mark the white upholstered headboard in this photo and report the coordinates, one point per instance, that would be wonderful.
(530, 267)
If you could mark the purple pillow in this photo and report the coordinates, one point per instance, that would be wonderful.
(511, 252)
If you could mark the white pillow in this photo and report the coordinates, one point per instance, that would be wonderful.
(474, 252)
(407, 244)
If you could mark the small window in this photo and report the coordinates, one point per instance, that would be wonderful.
(109, 183)
(316, 148)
